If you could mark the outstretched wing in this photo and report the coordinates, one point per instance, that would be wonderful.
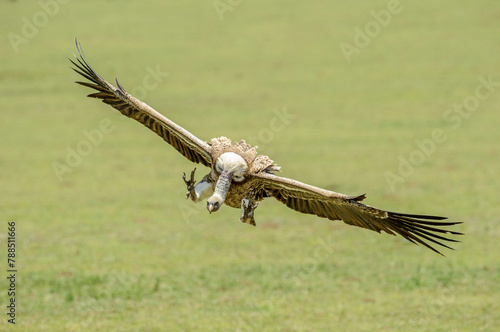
(183, 141)
(328, 204)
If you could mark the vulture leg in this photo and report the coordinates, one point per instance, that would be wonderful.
(248, 205)
(197, 191)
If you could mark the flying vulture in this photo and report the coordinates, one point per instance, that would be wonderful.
(240, 178)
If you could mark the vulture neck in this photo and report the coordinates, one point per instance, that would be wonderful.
(222, 186)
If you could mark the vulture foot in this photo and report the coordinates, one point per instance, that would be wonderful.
(190, 184)
(248, 205)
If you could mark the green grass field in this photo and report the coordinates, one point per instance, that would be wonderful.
(108, 243)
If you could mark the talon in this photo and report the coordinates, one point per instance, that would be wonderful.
(189, 183)
(247, 211)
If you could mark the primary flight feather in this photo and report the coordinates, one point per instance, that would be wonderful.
(240, 178)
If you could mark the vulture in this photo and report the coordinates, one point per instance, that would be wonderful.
(240, 178)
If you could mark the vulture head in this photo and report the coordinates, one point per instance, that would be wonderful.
(230, 167)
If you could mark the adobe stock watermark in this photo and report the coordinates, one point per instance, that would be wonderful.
(31, 27)
(320, 253)
(150, 82)
(191, 211)
(259, 310)
(94, 137)
(277, 123)
(223, 6)
(76, 154)
(427, 147)
(363, 38)
(435, 307)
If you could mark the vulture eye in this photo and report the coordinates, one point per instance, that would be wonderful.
(238, 178)
(218, 168)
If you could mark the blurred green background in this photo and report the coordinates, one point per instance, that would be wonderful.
(108, 243)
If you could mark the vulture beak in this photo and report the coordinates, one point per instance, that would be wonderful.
(220, 192)
(212, 206)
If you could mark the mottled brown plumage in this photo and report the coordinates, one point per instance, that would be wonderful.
(240, 178)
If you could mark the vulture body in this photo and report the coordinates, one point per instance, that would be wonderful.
(240, 178)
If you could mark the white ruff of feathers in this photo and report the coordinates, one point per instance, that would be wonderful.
(232, 163)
